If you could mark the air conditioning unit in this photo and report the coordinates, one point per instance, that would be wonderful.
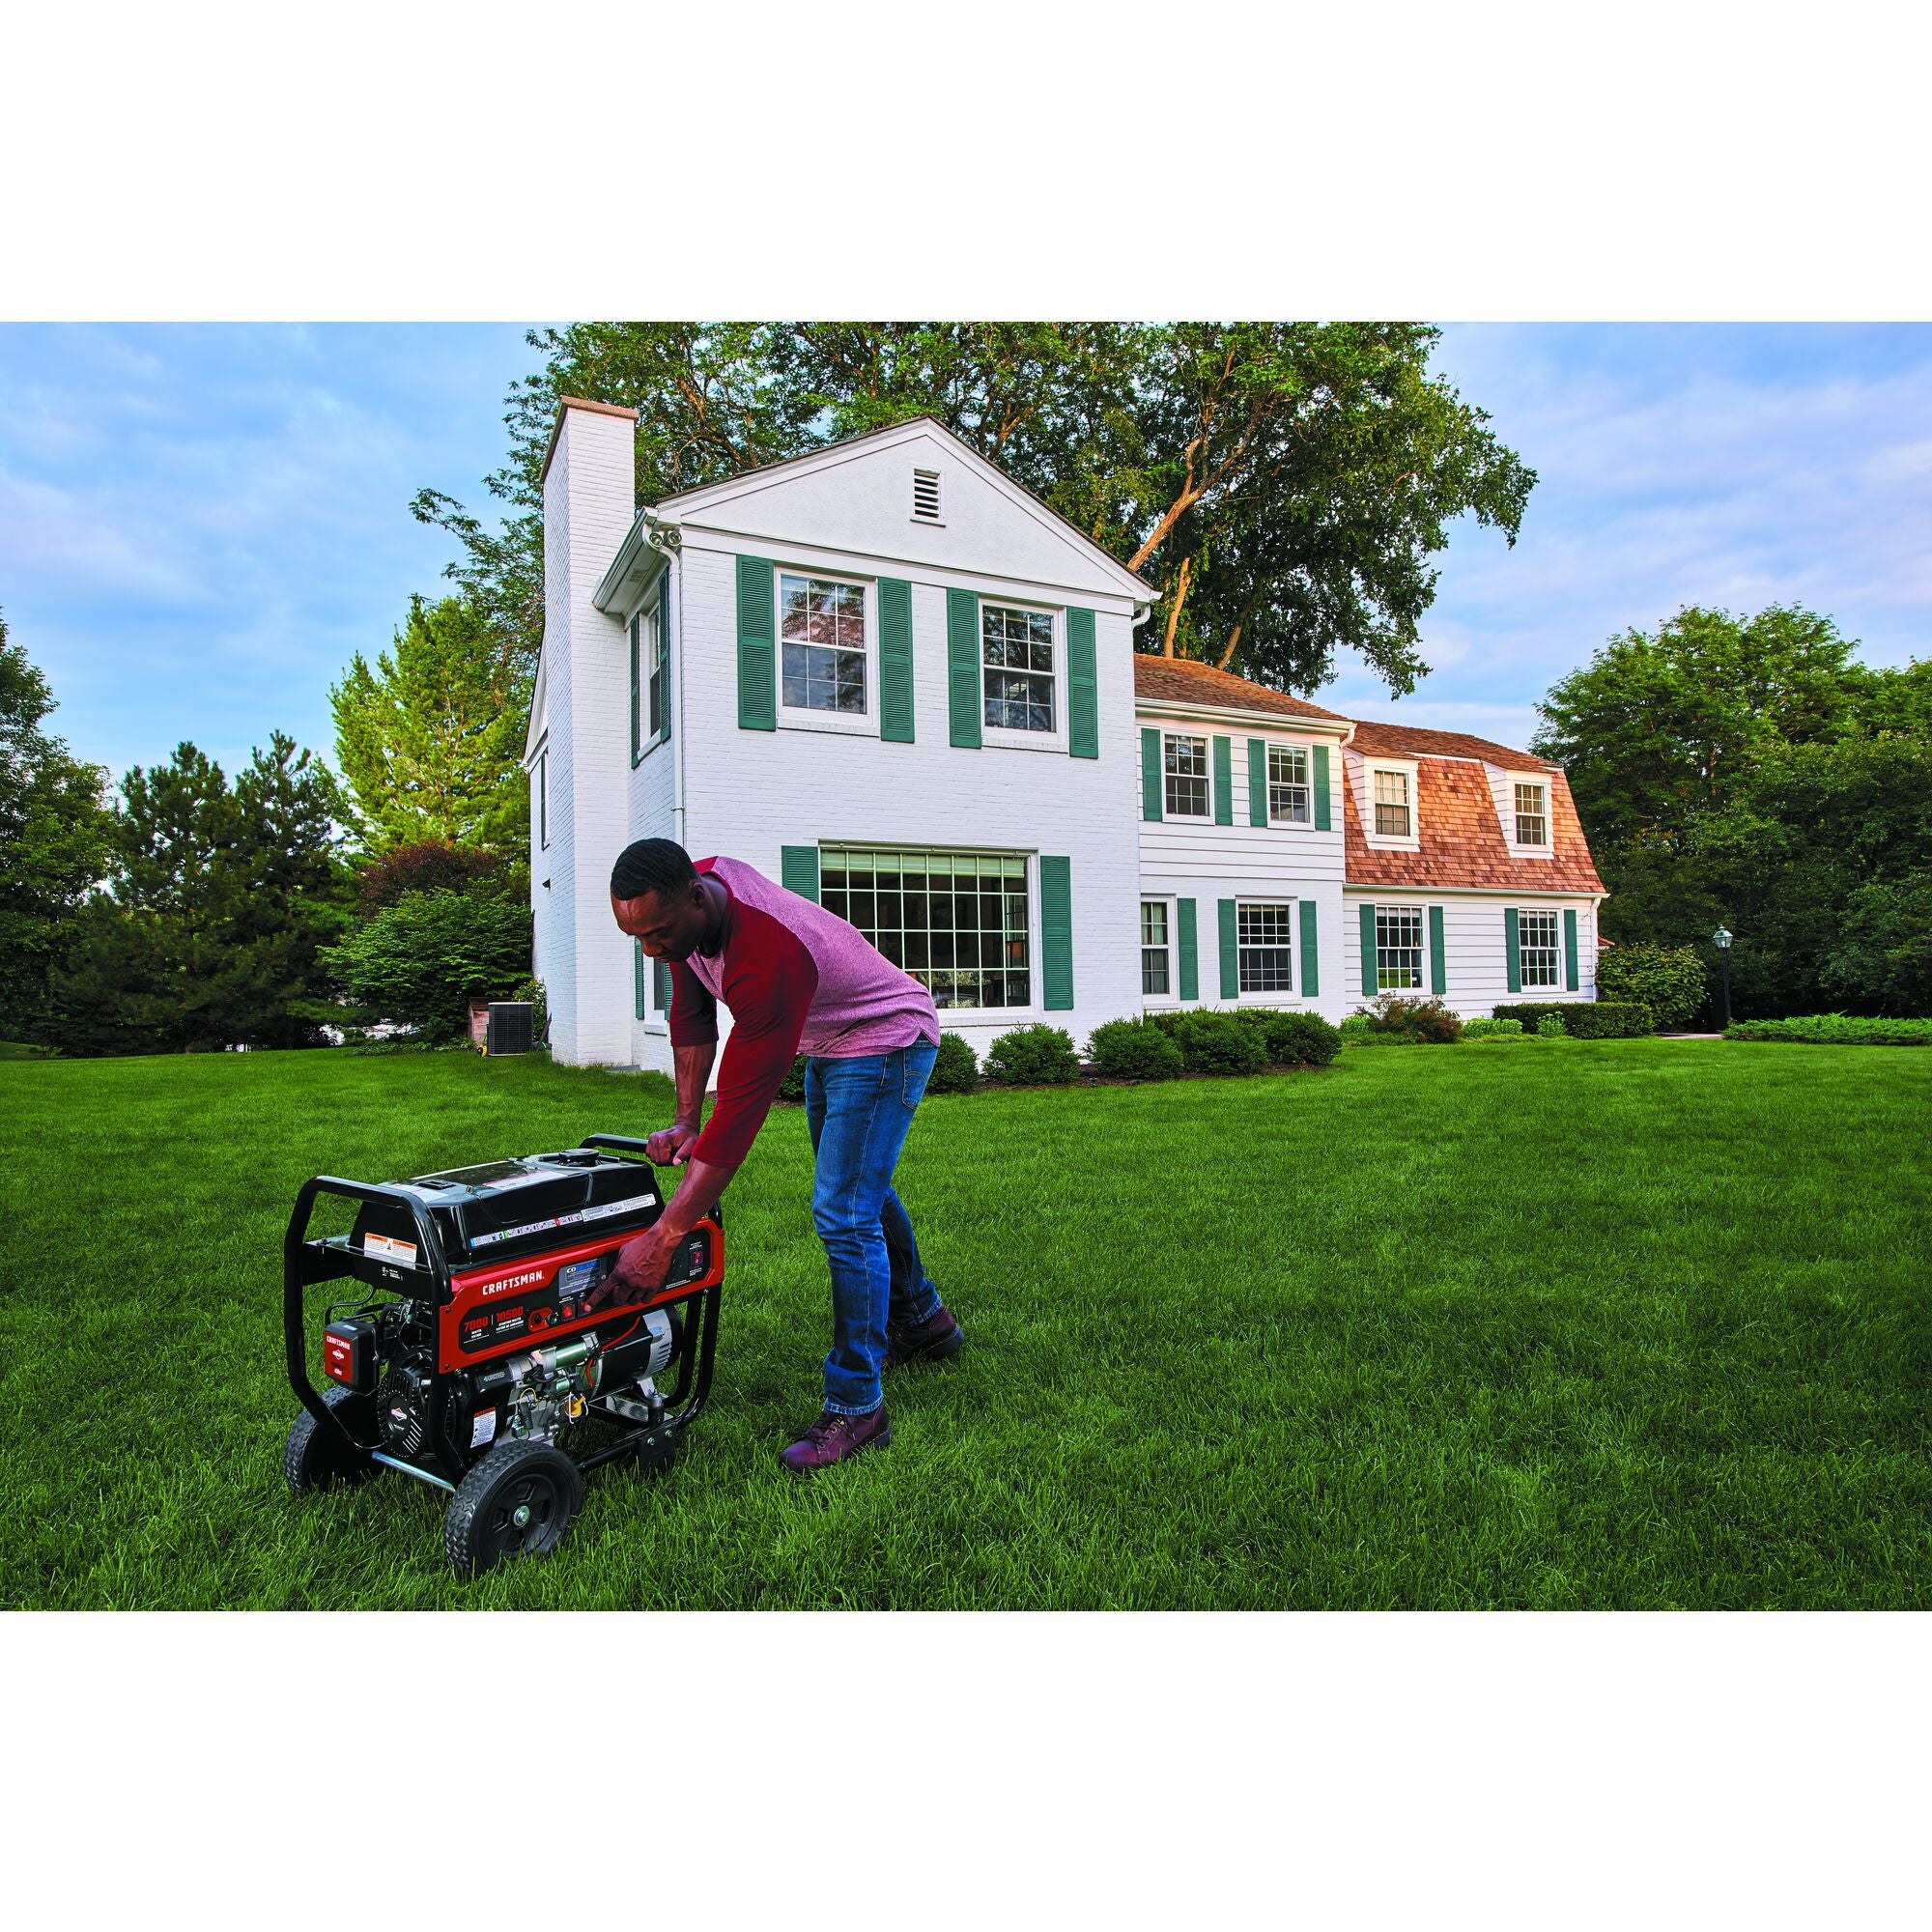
(511, 1022)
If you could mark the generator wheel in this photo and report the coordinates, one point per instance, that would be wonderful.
(515, 1501)
(315, 1458)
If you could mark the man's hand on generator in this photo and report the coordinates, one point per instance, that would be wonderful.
(641, 1268)
(671, 1146)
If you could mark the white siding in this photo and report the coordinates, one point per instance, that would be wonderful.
(1475, 953)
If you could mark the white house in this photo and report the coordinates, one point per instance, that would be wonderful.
(890, 677)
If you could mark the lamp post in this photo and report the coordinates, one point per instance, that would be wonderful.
(1722, 940)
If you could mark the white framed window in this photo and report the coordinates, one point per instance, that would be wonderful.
(656, 690)
(1539, 948)
(1532, 814)
(823, 646)
(1016, 667)
(1288, 785)
(1157, 960)
(1397, 948)
(958, 921)
(1262, 947)
(1392, 814)
(1186, 770)
(543, 799)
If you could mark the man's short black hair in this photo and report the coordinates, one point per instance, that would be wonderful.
(652, 866)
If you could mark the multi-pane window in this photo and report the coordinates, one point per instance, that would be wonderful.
(1016, 651)
(1154, 977)
(1532, 821)
(956, 920)
(822, 641)
(1537, 946)
(1398, 948)
(1262, 943)
(543, 797)
(1391, 805)
(654, 656)
(1187, 778)
(1288, 785)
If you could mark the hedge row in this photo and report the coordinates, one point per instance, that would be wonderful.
(1835, 1030)
(1580, 1019)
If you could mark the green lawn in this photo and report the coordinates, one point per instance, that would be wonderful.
(1618, 1323)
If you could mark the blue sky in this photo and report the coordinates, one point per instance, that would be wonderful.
(199, 525)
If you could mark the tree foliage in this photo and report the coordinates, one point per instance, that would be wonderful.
(56, 835)
(420, 962)
(1283, 485)
(222, 899)
(430, 740)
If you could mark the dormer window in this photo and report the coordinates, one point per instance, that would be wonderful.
(1532, 816)
(925, 496)
(1392, 805)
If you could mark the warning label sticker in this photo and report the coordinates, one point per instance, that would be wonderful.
(482, 1427)
(384, 1248)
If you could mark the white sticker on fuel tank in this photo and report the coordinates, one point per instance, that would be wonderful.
(390, 1250)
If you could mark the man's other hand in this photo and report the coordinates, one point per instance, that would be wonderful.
(671, 1146)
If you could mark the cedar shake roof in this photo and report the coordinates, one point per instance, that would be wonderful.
(1412, 741)
(1462, 841)
(1184, 681)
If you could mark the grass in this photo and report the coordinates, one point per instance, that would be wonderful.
(1631, 1324)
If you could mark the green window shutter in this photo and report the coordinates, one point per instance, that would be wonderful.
(1439, 958)
(663, 649)
(1150, 775)
(1224, 782)
(1570, 949)
(962, 668)
(637, 974)
(1512, 950)
(895, 661)
(1257, 781)
(1190, 949)
(1056, 933)
(1321, 787)
(757, 652)
(1230, 965)
(1370, 982)
(1311, 974)
(636, 745)
(661, 983)
(1083, 688)
(798, 870)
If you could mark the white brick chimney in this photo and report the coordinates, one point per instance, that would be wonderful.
(589, 488)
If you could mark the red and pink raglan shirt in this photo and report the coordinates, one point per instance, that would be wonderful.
(795, 978)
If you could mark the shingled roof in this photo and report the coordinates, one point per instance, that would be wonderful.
(1412, 740)
(1184, 681)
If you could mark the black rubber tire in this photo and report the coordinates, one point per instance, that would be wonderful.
(482, 1528)
(315, 1458)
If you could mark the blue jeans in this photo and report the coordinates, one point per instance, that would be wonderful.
(859, 1112)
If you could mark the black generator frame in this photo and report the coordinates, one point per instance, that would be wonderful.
(306, 1263)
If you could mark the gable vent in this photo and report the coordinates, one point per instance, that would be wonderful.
(925, 496)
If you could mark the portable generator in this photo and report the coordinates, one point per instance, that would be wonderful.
(468, 1356)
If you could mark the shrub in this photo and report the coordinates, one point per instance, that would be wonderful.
(792, 1086)
(1491, 1029)
(1170, 1020)
(1354, 1030)
(1835, 1030)
(420, 962)
(956, 1071)
(1428, 1022)
(1670, 980)
(1219, 1042)
(1609, 1019)
(1533, 1012)
(1032, 1056)
(1291, 1039)
(1551, 1027)
(1134, 1050)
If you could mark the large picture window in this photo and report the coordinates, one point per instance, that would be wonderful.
(1154, 976)
(1186, 777)
(1538, 948)
(956, 920)
(1398, 948)
(1016, 648)
(822, 640)
(1288, 785)
(1261, 942)
(1391, 805)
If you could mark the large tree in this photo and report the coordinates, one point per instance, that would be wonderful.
(55, 832)
(1284, 485)
(430, 740)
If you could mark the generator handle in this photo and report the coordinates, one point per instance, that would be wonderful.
(295, 1278)
(618, 1143)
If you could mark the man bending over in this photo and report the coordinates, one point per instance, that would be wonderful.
(793, 977)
